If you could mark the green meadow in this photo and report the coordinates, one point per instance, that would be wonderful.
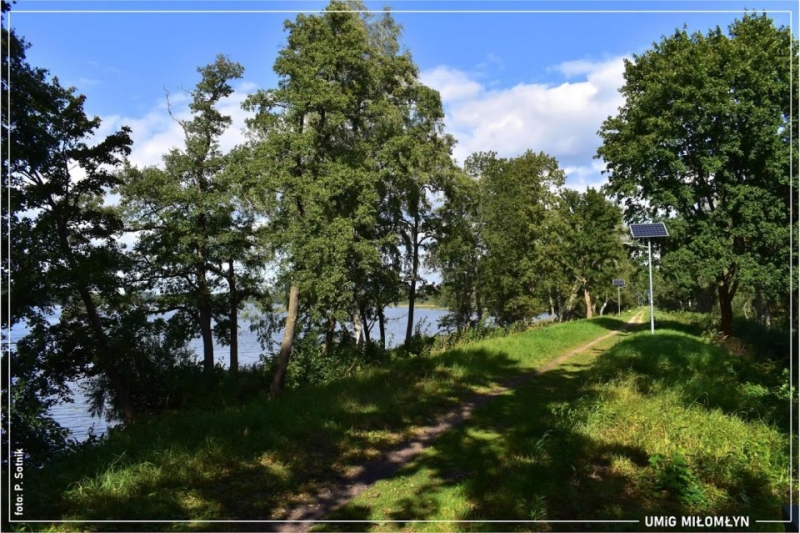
(256, 461)
(663, 425)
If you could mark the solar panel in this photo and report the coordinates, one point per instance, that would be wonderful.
(648, 231)
(618, 282)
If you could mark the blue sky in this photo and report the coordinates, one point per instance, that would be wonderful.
(510, 81)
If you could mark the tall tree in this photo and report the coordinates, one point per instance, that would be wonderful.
(456, 250)
(65, 239)
(185, 215)
(516, 196)
(330, 182)
(593, 252)
(313, 183)
(414, 158)
(703, 139)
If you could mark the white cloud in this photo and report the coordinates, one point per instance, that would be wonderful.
(560, 120)
(156, 132)
(451, 83)
(583, 177)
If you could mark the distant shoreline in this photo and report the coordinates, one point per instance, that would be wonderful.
(420, 306)
(434, 307)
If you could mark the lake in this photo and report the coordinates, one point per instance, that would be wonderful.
(75, 416)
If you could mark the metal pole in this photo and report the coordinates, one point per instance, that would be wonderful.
(618, 312)
(650, 264)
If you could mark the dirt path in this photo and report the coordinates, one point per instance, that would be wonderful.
(302, 518)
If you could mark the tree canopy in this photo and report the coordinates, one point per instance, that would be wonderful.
(702, 143)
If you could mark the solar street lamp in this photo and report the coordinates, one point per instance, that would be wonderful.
(649, 232)
(618, 283)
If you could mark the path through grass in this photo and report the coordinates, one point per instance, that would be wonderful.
(657, 425)
(257, 461)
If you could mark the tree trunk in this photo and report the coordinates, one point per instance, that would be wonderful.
(108, 356)
(367, 327)
(109, 363)
(478, 305)
(382, 327)
(205, 310)
(330, 330)
(726, 307)
(286, 343)
(603, 308)
(762, 314)
(412, 291)
(234, 318)
(207, 336)
(358, 327)
(573, 297)
(587, 298)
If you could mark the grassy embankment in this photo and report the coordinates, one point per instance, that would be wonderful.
(254, 462)
(656, 425)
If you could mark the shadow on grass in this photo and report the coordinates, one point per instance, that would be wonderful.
(254, 462)
(702, 373)
(614, 323)
(524, 457)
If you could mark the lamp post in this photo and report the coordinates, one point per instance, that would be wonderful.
(649, 231)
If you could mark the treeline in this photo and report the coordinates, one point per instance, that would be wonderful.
(345, 189)
(344, 192)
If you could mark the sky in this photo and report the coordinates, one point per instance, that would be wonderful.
(513, 75)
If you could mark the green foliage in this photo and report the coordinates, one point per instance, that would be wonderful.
(584, 248)
(702, 142)
(514, 196)
(675, 477)
(456, 250)
(309, 366)
(347, 151)
(65, 249)
(514, 241)
(197, 245)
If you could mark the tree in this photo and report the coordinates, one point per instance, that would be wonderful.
(592, 252)
(65, 246)
(515, 199)
(414, 157)
(331, 178)
(312, 182)
(190, 232)
(702, 143)
(456, 250)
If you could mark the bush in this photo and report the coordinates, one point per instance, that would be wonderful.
(675, 478)
(309, 366)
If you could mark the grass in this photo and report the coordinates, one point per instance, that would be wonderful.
(255, 461)
(656, 425)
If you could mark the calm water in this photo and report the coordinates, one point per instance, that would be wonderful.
(76, 418)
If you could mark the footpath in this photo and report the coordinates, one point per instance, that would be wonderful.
(302, 518)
